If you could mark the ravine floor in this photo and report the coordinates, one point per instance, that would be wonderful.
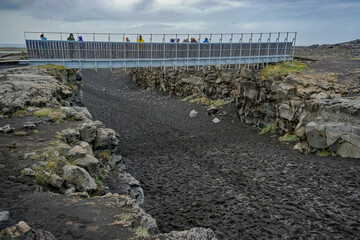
(224, 176)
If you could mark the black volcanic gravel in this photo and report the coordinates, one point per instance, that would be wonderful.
(223, 176)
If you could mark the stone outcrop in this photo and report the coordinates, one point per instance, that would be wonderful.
(309, 106)
(38, 87)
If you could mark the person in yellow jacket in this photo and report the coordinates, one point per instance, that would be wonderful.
(140, 39)
(141, 46)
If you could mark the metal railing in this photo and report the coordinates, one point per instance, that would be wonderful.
(156, 51)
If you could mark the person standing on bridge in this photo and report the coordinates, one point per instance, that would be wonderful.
(42, 37)
(71, 47)
(206, 40)
(127, 39)
(140, 39)
(71, 37)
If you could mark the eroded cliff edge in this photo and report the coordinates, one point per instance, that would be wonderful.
(55, 160)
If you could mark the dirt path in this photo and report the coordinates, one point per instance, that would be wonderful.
(223, 176)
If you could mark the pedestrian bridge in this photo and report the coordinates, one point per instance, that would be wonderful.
(99, 50)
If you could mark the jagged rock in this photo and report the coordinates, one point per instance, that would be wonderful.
(114, 160)
(76, 152)
(6, 129)
(18, 230)
(55, 181)
(286, 112)
(192, 234)
(86, 146)
(212, 111)
(80, 178)
(193, 113)
(28, 172)
(314, 137)
(90, 163)
(77, 113)
(105, 139)
(348, 150)
(129, 180)
(70, 191)
(88, 131)
(71, 135)
(41, 234)
(4, 216)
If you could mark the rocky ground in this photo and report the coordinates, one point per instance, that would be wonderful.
(194, 171)
(55, 162)
(223, 176)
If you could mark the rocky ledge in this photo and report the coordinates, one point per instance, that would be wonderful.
(69, 167)
(313, 110)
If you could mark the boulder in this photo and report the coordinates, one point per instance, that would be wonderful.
(80, 178)
(314, 137)
(76, 152)
(88, 131)
(55, 181)
(18, 230)
(71, 135)
(90, 163)
(114, 160)
(286, 112)
(28, 172)
(348, 150)
(30, 125)
(105, 139)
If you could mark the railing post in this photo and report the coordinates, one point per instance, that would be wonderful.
(294, 41)
(209, 51)
(257, 65)
(277, 47)
(138, 46)
(187, 52)
(240, 53)
(164, 52)
(268, 49)
(110, 54)
(94, 51)
(250, 42)
(198, 60)
(151, 51)
(286, 42)
(176, 50)
(231, 39)
(220, 49)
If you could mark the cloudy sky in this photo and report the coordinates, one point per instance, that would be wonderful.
(316, 21)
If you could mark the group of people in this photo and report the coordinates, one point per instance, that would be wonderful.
(140, 39)
(70, 38)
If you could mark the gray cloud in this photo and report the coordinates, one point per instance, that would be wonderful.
(316, 21)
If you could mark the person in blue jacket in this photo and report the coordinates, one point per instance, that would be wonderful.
(42, 37)
(206, 40)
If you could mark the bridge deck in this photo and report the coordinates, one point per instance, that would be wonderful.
(97, 54)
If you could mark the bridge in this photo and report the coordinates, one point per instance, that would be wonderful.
(112, 50)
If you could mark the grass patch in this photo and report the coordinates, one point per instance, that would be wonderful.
(208, 102)
(58, 67)
(324, 153)
(49, 112)
(288, 138)
(282, 69)
(73, 86)
(355, 58)
(188, 98)
(126, 217)
(20, 113)
(142, 232)
(270, 127)
(99, 182)
(41, 178)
